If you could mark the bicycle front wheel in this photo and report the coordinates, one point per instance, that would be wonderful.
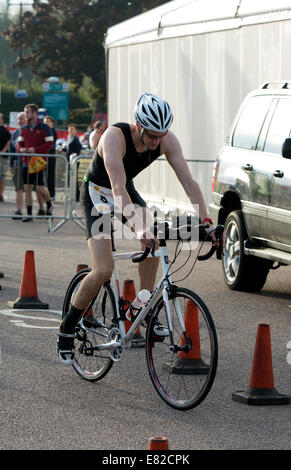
(90, 363)
(182, 378)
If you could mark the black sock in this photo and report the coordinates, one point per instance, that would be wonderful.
(48, 205)
(71, 319)
(29, 210)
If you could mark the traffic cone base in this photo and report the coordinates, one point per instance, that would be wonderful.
(186, 367)
(189, 363)
(28, 302)
(261, 390)
(261, 396)
(28, 298)
(137, 341)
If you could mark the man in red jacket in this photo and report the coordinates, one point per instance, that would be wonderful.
(34, 138)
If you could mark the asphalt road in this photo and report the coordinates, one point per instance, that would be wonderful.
(48, 406)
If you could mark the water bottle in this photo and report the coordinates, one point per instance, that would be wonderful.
(135, 306)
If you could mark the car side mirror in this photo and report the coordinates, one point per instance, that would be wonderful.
(286, 149)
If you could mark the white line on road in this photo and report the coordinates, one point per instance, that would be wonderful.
(16, 314)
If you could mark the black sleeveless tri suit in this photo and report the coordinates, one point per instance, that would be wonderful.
(133, 161)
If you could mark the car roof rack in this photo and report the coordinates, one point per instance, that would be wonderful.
(281, 84)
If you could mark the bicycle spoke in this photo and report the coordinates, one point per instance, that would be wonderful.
(93, 364)
(183, 379)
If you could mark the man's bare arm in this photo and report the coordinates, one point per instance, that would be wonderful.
(177, 161)
(112, 149)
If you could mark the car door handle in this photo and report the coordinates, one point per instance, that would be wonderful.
(248, 167)
(278, 174)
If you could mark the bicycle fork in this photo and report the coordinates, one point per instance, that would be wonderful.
(168, 286)
(175, 347)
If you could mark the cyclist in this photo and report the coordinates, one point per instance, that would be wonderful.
(124, 150)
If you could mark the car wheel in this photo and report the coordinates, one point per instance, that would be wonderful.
(241, 272)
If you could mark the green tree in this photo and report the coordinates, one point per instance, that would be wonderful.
(65, 38)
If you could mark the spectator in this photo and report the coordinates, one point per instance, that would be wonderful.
(5, 138)
(74, 144)
(15, 165)
(34, 138)
(84, 139)
(51, 164)
(98, 129)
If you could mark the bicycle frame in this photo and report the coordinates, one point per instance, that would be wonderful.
(182, 380)
(161, 287)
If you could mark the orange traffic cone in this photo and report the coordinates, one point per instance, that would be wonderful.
(80, 267)
(189, 363)
(158, 443)
(28, 290)
(261, 390)
(129, 294)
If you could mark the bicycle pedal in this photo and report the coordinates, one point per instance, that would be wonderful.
(80, 337)
(91, 323)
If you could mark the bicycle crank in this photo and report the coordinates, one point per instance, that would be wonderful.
(115, 344)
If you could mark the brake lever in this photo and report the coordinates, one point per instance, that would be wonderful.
(218, 230)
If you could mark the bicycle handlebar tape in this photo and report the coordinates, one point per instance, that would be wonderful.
(261, 390)
(129, 294)
(28, 298)
(189, 363)
(158, 443)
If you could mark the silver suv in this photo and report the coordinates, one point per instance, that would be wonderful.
(252, 188)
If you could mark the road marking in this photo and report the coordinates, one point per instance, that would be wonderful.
(16, 314)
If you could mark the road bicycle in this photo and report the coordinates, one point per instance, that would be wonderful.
(182, 363)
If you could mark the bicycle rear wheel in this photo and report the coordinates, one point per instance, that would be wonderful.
(182, 379)
(91, 364)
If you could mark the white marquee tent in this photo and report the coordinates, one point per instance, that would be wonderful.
(203, 56)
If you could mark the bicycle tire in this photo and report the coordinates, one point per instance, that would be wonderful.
(95, 365)
(183, 379)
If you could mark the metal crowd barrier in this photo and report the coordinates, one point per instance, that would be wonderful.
(71, 174)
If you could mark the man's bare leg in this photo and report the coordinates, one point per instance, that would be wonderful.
(28, 201)
(147, 273)
(101, 253)
(148, 268)
(102, 258)
(28, 195)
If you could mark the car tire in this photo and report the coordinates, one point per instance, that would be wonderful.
(241, 272)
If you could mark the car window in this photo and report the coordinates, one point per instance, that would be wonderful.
(280, 127)
(250, 122)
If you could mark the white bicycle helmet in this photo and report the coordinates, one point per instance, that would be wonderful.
(153, 113)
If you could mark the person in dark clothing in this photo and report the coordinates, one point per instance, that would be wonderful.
(5, 138)
(74, 147)
(123, 152)
(51, 164)
(34, 138)
(15, 165)
(74, 144)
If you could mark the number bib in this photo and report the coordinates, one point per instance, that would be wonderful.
(102, 199)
